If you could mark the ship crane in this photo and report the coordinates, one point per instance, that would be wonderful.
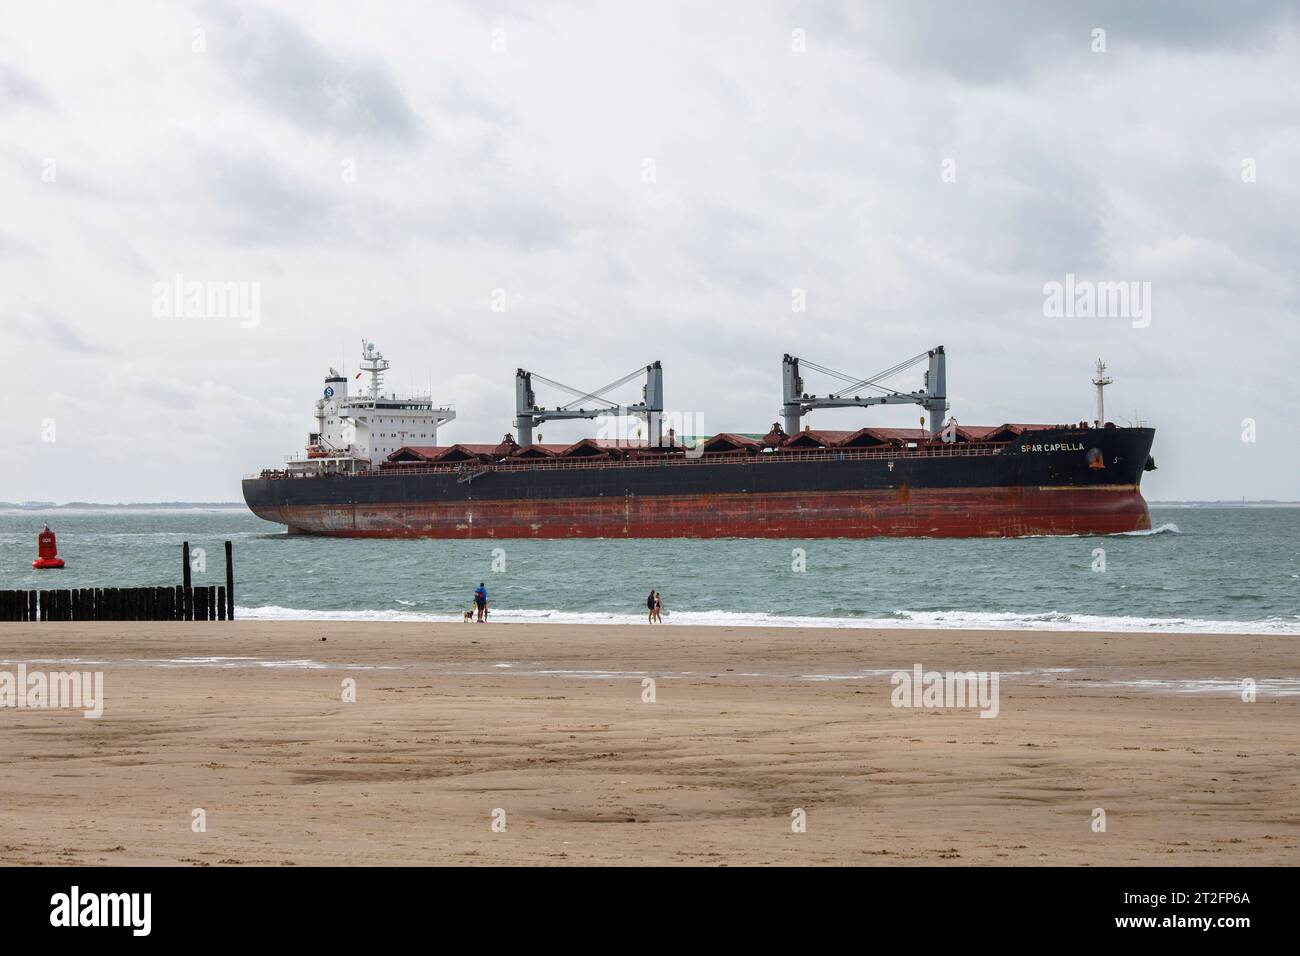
(529, 414)
(932, 397)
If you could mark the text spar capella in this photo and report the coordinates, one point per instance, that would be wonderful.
(1055, 446)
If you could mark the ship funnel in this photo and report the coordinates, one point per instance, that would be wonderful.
(336, 386)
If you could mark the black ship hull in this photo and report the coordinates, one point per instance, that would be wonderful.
(1051, 481)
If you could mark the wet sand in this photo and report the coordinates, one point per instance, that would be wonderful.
(547, 723)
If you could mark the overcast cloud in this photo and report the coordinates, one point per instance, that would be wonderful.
(380, 169)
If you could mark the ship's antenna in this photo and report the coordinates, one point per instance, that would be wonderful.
(1101, 380)
(373, 362)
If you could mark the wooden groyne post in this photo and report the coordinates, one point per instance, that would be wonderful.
(170, 603)
(187, 590)
(230, 582)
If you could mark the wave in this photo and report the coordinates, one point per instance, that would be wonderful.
(959, 620)
(1167, 528)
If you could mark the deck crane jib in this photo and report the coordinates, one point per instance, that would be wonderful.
(932, 396)
(592, 404)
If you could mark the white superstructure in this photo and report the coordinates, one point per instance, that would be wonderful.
(359, 431)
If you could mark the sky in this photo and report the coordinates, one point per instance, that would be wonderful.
(583, 188)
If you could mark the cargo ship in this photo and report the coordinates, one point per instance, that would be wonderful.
(374, 468)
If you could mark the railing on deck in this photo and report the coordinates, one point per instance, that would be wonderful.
(937, 450)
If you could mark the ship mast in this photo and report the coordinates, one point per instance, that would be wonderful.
(1101, 380)
(374, 364)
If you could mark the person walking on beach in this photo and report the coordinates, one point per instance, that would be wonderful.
(650, 606)
(657, 608)
(481, 602)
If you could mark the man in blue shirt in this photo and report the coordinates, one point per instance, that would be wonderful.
(480, 602)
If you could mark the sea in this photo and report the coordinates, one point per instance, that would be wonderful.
(1233, 569)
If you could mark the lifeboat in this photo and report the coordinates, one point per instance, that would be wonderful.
(47, 550)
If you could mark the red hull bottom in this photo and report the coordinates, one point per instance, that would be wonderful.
(903, 512)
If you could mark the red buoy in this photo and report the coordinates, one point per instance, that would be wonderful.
(48, 551)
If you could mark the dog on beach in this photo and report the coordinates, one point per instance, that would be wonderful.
(468, 617)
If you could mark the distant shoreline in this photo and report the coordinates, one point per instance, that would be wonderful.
(53, 506)
(1260, 503)
(71, 505)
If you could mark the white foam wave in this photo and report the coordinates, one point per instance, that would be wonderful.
(1167, 528)
(1264, 686)
(965, 620)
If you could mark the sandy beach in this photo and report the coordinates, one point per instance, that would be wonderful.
(535, 744)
